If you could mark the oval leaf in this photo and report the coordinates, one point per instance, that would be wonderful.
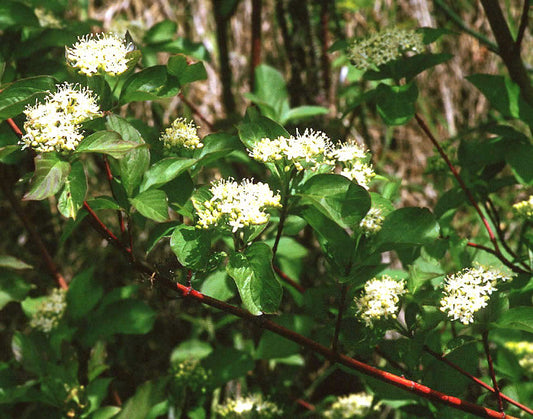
(191, 246)
(257, 284)
(106, 142)
(49, 177)
(164, 171)
(74, 191)
(152, 204)
(17, 95)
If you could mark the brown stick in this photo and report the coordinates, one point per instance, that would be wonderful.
(256, 40)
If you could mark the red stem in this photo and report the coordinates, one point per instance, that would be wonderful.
(306, 405)
(263, 322)
(14, 127)
(476, 380)
(109, 175)
(469, 195)
(485, 335)
(289, 281)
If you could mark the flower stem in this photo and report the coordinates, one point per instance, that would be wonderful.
(485, 336)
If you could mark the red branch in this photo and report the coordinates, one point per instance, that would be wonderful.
(109, 175)
(288, 280)
(491, 369)
(469, 195)
(14, 127)
(264, 323)
(476, 380)
(196, 111)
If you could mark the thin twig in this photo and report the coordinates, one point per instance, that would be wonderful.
(468, 193)
(475, 379)
(485, 336)
(32, 231)
(196, 111)
(335, 340)
(288, 280)
(14, 127)
(109, 175)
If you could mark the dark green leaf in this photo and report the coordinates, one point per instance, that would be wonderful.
(159, 232)
(407, 226)
(396, 104)
(272, 346)
(11, 262)
(49, 177)
(16, 14)
(164, 171)
(135, 163)
(303, 112)
(407, 67)
(185, 72)
(6, 153)
(149, 84)
(255, 127)
(191, 349)
(253, 273)
(83, 294)
(185, 46)
(139, 405)
(226, 364)
(17, 95)
(519, 156)
(191, 246)
(161, 32)
(338, 198)
(152, 204)
(520, 318)
(71, 199)
(12, 288)
(270, 93)
(106, 142)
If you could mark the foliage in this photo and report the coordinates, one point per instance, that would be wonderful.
(301, 236)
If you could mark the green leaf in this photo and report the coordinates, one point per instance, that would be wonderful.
(7, 151)
(17, 95)
(106, 412)
(302, 112)
(135, 163)
(519, 156)
(106, 142)
(161, 32)
(191, 246)
(185, 72)
(139, 405)
(152, 204)
(407, 226)
(49, 177)
(83, 294)
(12, 287)
(124, 316)
(226, 364)
(338, 198)
(518, 318)
(504, 95)
(273, 346)
(164, 171)
(408, 67)
(11, 262)
(149, 84)
(257, 284)
(255, 127)
(190, 349)
(216, 146)
(16, 14)
(184, 46)
(74, 192)
(396, 104)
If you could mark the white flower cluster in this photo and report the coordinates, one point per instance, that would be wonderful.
(351, 406)
(524, 350)
(372, 222)
(50, 311)
(468, 291)
(354, 162)
(251, 407)
(55, 124)
(383, 47)
(105, 53)
(309, 150)
(236, 204)
(181, 134)
(380, 299)
(524, 208)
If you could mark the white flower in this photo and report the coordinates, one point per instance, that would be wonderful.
(236, 204)
(360, 172)
(350, 406)
(309, 150)
(250, 407)
(349, 151)
(380, 299)
(55, 124)
(468, 291)
(106, 53)
(372, 222)
(50, 311)
(524, 208)
(181, 134)
(383, 47)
